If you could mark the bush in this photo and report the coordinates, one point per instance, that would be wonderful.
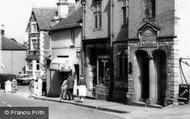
(5, 77)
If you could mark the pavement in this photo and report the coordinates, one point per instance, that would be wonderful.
(100, 104)
(123, 110)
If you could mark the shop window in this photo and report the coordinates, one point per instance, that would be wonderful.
(97, 13)
(37, 65)
(34, 27)
(122, 63)
(103, 71)
(150, 9)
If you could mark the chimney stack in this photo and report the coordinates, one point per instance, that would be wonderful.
(63, 8)
(2, 29)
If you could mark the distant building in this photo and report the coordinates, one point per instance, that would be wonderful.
(13, 56)
(66, 37)
(38, 52)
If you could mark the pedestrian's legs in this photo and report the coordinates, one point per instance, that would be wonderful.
(61, 95)
(64, 94)
(71, 94)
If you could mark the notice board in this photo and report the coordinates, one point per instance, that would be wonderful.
(183, 93)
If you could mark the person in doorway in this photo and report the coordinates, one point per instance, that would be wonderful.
(64, 87)
(70, 86)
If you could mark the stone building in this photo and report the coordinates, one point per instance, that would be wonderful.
(151, 50)
(96, 48)
(38, 51)
(129, 49)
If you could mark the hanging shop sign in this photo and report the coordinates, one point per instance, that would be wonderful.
(183, 93)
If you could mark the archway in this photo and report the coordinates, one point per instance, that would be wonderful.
(161, 67)
(143, 62)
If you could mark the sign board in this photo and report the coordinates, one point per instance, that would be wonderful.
(183, 93)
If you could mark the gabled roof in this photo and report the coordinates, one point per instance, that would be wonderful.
(154, 26)
(43, 17)
(11, 44)
(72, 20)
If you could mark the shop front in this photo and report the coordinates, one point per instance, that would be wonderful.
(58, 72)
(97, 68)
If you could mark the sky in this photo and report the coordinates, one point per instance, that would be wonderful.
(15, 15)
(182, 27)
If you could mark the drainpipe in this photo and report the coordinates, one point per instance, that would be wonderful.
(83, 2)
(111, 48)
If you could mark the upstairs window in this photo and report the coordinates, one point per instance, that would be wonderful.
(73, 37)
(150, 10)
(124, 10)
(97, 13)
(34, 44)
(34, 27)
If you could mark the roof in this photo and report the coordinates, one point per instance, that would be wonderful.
(72, 20)
(44, 16)
(11, 44)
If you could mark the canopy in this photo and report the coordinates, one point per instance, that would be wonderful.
(60, 64)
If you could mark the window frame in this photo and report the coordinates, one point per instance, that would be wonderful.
(37, 65)
(34, 45)
(97, 14)
(150, 9)
(33, 27)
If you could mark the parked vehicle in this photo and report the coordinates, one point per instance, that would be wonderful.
(23, 79)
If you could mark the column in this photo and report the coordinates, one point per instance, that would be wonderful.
(34, 69)
(152, 82)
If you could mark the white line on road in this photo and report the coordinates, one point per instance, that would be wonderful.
(9, 105)
(5, 103)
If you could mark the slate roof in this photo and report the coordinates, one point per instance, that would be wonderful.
(44, 16)
(11, 44)
(72, 20)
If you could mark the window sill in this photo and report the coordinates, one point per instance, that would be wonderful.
(72, 46)
(97, 29)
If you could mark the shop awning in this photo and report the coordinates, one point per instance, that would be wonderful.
(60, 64)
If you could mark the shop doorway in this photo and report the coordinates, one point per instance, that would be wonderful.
(143, 63)
(161, 68)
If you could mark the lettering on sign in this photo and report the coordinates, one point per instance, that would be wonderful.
(183, 93)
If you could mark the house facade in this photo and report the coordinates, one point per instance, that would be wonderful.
(66, 37)
(96, 48)
(13, 56)
(38, 52)
(129, 49)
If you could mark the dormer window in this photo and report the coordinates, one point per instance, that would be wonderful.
(150, 9)
(34, 27)
(97, 4)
